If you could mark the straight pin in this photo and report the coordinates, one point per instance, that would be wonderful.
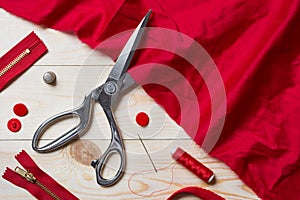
(147, 152)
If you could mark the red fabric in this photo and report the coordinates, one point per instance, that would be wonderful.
(256, 47)
(198, 192)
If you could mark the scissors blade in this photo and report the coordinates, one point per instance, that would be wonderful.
(127, 83)
(123, 61)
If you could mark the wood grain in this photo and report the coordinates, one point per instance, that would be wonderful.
(79, 70)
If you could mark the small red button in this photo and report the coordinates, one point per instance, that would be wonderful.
(14, 125)
(20, 110)
(142, 119)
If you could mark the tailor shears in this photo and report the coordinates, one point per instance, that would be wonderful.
(118, 80)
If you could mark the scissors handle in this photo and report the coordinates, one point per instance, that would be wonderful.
(116, 146)
(83, 112)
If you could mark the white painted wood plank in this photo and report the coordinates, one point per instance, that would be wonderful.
(73, 82)
(70, 168)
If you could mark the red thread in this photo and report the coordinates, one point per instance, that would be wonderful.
(193, 165)
(154, 192)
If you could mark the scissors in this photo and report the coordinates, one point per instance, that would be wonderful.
(118, 81)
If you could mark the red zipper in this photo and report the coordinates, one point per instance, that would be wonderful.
(36, 181)
(20, 58)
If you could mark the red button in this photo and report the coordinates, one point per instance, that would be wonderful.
(20, 110)
(14, 125)
(142, 119)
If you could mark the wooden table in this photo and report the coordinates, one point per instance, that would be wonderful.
(73, 62)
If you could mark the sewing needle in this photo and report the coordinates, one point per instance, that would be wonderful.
(147, 152)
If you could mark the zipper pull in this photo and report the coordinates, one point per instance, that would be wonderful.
(25, 174)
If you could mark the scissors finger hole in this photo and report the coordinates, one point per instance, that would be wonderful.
(112, 165)
(56, 128)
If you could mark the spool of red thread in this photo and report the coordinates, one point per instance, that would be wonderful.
(193, 165)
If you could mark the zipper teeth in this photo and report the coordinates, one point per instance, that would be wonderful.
(14, 62)
(32, 179)
(47, 190)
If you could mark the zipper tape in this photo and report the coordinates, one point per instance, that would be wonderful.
(35, 180)
(20, 58)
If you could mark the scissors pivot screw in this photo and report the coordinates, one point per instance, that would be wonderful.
(110, 87)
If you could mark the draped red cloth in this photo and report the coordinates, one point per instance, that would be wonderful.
(256, 47)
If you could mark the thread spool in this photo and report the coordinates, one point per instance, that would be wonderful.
(193, 165)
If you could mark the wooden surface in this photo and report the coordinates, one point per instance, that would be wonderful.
(73, 62)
